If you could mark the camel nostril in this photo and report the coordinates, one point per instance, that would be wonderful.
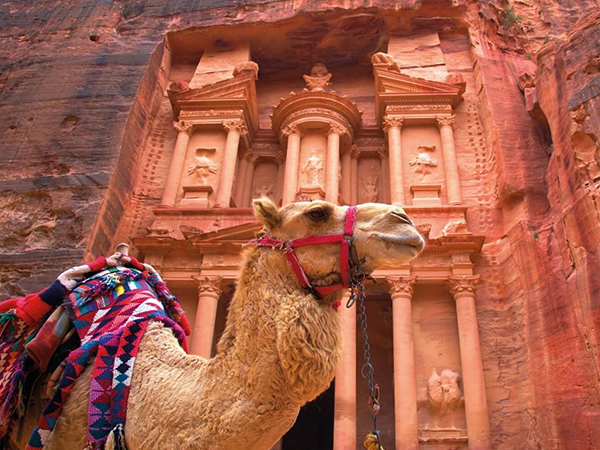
(402, 216)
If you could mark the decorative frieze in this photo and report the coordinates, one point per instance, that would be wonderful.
(417, 108)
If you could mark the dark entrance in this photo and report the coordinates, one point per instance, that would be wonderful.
(314, 427)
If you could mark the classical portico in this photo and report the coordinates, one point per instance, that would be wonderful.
(317, 145)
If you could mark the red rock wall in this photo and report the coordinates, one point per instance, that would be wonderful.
(80, 84)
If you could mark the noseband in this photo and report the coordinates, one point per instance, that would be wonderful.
(349, 264)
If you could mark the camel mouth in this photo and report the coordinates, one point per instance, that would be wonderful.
(414, 242)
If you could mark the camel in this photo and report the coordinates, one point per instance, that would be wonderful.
(279, 350)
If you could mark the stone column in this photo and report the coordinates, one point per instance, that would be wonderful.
(478, 426)
(280, 160)
(240, 183)
(177, 162)
(332, 167)
(249, 178)
(346, 176)
(393, 125)
(405, 385)
(209, 292)
(385, 177)
(354, 155)
(344, 425)
(292, 160)
(235, 129)
(446, 125)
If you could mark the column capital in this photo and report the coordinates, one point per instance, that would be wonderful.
(401, 286)
(251, 157)
(183, 126)
(445, 121)
(237, 125)
(334, 128)
(463, 285)
(354, 151)
(208, 286)
(280, 158)
(390, 122)
(382, 153)
(292, 128)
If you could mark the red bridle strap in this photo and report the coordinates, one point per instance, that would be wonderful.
(288, 246)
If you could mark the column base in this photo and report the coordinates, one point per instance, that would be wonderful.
(195, 197)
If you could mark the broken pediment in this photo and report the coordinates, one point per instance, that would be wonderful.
(226, 99)
(397, 92)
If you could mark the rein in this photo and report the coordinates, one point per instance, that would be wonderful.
(353, 277)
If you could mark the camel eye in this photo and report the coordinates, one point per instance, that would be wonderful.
(317, 214)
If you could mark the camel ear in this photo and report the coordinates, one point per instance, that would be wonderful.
(266, 212)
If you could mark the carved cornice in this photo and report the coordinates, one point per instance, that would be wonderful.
(208, 286)
(401, 286)
(236, 125)
(445, 121)
(183, 126)
(426, 108)
(389, 122)
(465, 285)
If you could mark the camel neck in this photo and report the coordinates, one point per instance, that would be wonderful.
(273, 321)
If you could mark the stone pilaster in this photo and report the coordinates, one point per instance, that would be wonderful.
(235, 129)
(292, 160)
(446, 125)
(393, 126)
(184, 131)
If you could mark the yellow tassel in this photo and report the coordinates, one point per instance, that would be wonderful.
(371, 442)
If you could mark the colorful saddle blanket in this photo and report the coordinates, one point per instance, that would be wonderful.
(111, 312)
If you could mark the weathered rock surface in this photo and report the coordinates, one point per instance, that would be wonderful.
(81, 82)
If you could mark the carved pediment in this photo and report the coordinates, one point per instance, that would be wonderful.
(406, 94)
(226, 99)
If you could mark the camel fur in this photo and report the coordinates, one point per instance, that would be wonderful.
(279, 350)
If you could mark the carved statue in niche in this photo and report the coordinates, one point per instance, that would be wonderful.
(202, 168)
(318, 79)
(423, 163)
(264, 190)
(312, 169)
(443, 393)
(370, 192)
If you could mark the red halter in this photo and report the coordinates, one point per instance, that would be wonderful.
(346, 262)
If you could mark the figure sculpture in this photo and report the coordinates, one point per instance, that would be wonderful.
(312, 169)
(370, 192)
(443, 392)
(279, 350)
(264, 190)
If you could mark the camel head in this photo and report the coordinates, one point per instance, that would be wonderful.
(383, 235)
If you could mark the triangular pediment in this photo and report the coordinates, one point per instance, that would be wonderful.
(395, 88)
(236, 234)
(237, 93)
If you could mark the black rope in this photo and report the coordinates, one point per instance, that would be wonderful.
(357, 291)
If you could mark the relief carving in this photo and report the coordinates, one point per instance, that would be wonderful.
(318, 79)
(443, 392)
(417, 108)
(236, 125)
(183, 126)
(202, 169)
(455, 227)
(264, 190)
(389, 122)
(423, 163)
(208, 285)
(312, 169)
(246, 67)
(446, 121)
(384, 58)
